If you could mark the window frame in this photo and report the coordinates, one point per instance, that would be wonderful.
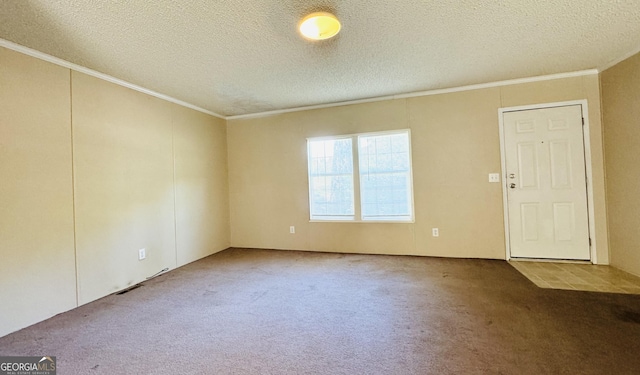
(333, 218)
(357, 200)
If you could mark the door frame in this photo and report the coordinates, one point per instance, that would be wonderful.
(587, 158)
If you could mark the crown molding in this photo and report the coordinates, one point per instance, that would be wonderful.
(618, 60)
(54, 60)
(81, 69)
(421, 93)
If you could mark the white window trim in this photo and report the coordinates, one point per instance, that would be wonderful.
(357, 217)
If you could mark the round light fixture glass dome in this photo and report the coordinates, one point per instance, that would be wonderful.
(319, 26)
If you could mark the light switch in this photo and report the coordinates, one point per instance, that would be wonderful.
(494, 177)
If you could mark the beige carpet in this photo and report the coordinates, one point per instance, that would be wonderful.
(277, 312)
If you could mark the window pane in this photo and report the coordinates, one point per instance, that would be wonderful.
(331, 178)
(385, 176)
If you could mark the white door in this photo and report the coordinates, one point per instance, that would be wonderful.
(546, 183)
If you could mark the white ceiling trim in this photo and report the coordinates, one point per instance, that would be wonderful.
(54, 60)
(619, 60)
(81, 69)
(245, 58)
(424, 93)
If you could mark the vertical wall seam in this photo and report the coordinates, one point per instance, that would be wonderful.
(175, 190)
(228, 185)
(73, 189)
(413, 181)
(227, 167)
(603, 149)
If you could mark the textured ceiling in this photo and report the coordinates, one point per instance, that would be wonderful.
(237, 57)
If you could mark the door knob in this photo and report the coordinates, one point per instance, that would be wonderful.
(512, 185)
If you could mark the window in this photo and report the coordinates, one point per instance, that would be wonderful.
(362, 177)
(331, 179)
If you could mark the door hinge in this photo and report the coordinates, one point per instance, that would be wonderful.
(589, 241)
(583, 121)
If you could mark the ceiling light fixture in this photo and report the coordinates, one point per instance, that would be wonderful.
(319, 26)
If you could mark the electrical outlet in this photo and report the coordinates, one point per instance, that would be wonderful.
(494, 177)
(142, 253)
(292, 229)
(435, 232)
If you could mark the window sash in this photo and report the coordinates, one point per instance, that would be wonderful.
(331, 161)
(385, 176)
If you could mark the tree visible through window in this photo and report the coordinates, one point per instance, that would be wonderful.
(331, 178)
(378, 169)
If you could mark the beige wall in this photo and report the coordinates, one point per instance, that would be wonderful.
(621, 114)
(455, 141)
(124, 194)
(37, 266)
(202, 197)
(139, 171)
